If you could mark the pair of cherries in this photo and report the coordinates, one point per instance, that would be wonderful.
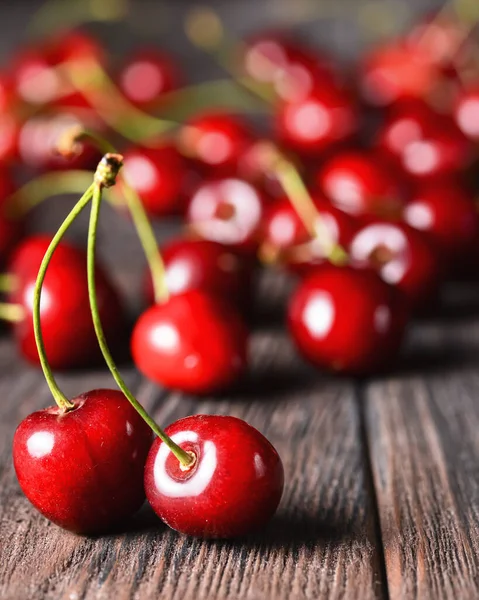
(89, 469)
(88, 463)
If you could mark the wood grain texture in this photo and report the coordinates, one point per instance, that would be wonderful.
(321, 544)
(424, 443)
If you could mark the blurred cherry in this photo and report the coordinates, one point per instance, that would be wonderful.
(215, 140)
(449, 217)
(402, 256)
(317, 123)
(360, 183)
(286, 239)
(207, 266)
(228, 211)
(425, 144)
(67, 326)
(159, 175)
(147, 75)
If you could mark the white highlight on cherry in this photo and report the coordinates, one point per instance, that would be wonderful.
(196, 484)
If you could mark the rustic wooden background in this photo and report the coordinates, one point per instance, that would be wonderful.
(382, 475)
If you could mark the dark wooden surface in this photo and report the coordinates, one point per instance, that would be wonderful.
(382, 476)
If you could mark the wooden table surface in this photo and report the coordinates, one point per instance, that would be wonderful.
(382, 475)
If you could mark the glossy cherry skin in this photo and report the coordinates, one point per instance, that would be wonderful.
(67, 327)
(215, 140)
(193, 342)
(466, 112)
(286, 239)
(360, 183)
(147, 75)
(39, 136)
(206, 266)
(395, 71)
(317, 123)
(159, 175)
(83, 469)
(425, 144)
(347, 320)
(37, 78)
(402, 256)
(233, 488)
(449, 217)
(229, 211)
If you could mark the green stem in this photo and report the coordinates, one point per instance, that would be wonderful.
(184, 458)
(11, 312)
(148, 241)
(57, 394)
(143, 227)
(92, 81)
(45, 186)
(298, 195)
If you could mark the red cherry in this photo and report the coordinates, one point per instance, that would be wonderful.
(193, 342)
(318, 123)
(233, 488)
(83, 469)
(285, 235)
(228, 211)
(360, 183)
(402, 256)
(40, 135)
(215, 140)
(395, 71)
(347, 320)
(466, 112)
(292, 69)
(424, 144)
(66, 321)
(205, 266)
(448, 215)
(159, 175)
(147, 75)
(37, 79)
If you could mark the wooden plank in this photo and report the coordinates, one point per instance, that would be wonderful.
(424, 443)
(321, 544)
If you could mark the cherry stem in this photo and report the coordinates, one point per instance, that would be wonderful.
(45, 186)
(11, 312)
(142, 223)
(59, 397)
(185, 459)
(8, 282)
(89, 77)
(298, 195)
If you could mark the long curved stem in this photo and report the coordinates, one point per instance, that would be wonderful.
(148, 241)
(184, 458)
(57, 394)
(143, 227)
(45, 186)
(298, 195)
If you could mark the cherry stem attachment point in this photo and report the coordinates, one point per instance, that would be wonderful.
(60, 398)
(13, 313)
(298, 195)
(184, 457)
